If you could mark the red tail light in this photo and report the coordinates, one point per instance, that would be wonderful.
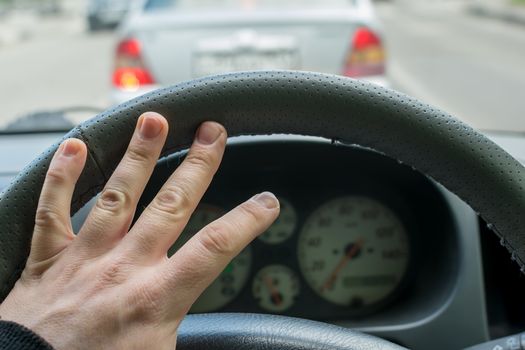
(130, 71)
(366, 56)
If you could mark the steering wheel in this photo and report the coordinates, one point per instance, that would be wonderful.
(338, 108)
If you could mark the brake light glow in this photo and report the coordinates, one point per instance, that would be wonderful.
(130, 72)
(366, 56)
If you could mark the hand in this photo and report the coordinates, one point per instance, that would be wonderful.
(108, 288)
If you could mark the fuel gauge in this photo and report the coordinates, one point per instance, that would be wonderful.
(275, 287)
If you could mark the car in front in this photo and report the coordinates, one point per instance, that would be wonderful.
(166, 42)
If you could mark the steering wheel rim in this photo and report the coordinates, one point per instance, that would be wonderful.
(225, 331)
(338, 108)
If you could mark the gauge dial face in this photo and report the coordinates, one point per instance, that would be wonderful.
(283, 227)
(275, 287)
(231, 280)
(353, 251)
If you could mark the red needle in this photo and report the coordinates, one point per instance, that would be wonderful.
(342, 263)
(274, 293)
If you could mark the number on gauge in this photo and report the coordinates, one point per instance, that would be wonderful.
(232, 279)
(275, 287)
(284, 225)
(353, 251)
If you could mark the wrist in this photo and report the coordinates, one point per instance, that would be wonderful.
(15, 336)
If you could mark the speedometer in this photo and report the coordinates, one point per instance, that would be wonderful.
(353, 251)
(231, 280)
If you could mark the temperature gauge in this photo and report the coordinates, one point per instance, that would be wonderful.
(275, 287)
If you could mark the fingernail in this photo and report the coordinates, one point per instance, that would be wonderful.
(150, 127)
(70, 148)
(208, 133)
(267, 199)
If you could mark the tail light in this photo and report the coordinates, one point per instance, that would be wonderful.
(130, 71)
(366, 56)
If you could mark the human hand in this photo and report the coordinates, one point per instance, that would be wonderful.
(112, 287)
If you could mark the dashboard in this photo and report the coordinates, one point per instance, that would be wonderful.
(362, 241)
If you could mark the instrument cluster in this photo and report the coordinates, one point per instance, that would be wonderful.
(350, 252)
(360, 239)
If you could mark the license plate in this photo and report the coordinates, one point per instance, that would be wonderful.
(215, 63)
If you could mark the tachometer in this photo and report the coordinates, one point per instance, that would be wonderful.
(234, 277)
(353, 251)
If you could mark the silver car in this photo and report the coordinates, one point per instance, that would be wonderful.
(168, 41)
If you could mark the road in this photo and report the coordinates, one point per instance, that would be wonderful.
(62, 66)
(472, 67)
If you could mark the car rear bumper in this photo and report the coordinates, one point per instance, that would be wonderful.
(120, 96)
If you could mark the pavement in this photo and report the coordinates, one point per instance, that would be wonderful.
(62, 65)
(20, 27)
(15, 28)
(470, 66)
(503, 10)
(19, 24)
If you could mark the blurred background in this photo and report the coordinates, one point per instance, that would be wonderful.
(464, 56)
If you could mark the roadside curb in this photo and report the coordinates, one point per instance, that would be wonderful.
(507, 13)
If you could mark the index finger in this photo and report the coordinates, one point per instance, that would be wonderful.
(194, 266)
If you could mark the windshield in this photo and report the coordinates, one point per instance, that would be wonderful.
(63, 61)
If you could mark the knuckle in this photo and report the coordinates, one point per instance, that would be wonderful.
(201, 158)
(138, 154)
(252, 211)
(173, 202)
(217, 240)
(113, 200)
(57, 175)
(47, 216)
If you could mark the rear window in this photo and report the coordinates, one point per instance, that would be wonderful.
(152, 5)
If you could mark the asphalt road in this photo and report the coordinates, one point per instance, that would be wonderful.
(62, 68)
(472, 67)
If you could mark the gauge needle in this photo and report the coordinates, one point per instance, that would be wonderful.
(274, 293)
(342, 263)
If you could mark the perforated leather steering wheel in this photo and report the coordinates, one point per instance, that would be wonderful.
(350, 111)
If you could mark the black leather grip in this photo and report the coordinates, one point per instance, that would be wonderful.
(267, 332)
(433, 142)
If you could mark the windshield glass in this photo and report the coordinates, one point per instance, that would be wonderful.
(63, 61)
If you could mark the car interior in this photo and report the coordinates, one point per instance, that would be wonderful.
(401, 226)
